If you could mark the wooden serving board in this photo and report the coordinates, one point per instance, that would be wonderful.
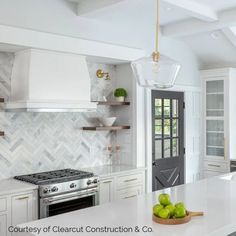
(177, 221)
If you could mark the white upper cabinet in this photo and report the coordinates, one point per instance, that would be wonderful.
(219, 118)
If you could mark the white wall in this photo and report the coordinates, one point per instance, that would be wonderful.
(59, 17)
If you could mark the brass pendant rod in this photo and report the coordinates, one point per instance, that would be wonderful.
(157, 24)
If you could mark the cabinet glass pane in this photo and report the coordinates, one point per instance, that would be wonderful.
(215, 126)
(215, 140)
(219, 152)
(216, 86)
(215, 98)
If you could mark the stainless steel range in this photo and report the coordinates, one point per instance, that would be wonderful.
(64, 190)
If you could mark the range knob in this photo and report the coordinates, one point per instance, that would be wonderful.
(95, 181)
(89, 182)
(73, 185)
(45, 190)
(54, 189)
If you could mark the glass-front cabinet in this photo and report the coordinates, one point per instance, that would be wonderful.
(219, 120)
(215, 116)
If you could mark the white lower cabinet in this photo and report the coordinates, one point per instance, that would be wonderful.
(22, 209)
(129, 192)
(106, 190)
(17, 209)
(3, 225)
(122, 186)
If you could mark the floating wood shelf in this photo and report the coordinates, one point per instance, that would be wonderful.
(2, 133)
(106, 128)
(113, 103)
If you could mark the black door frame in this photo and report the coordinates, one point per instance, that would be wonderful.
(171, 95)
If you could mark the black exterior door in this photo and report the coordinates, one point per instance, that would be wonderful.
(168, 139)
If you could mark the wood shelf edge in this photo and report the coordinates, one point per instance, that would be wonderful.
(112, 103)
(106, 128)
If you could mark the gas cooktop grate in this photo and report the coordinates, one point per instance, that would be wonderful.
(57, 176)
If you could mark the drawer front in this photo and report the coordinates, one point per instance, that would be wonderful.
(216, 166)
(129, 180)
(129, 192)
(3, 204)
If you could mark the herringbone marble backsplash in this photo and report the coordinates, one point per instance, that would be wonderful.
(46, 141)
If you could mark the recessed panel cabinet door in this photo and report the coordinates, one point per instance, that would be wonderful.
(22, 209)
(3, 225)
(106, 191)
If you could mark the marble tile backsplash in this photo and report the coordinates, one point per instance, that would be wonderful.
(45, 141)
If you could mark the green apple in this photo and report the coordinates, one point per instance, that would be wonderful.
(156, 209)
(164, 199)
(164, 213)
(179, 204)
(171, 208)
(180, 212)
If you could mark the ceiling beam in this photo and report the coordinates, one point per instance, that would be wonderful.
(195, 9)
(230, 35)
(193, 26)
(89, 6)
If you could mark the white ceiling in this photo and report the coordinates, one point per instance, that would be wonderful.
(181, 15)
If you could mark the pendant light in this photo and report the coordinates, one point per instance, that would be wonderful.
(157, 70)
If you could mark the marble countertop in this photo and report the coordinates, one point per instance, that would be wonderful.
(216, 197)
(110, 170)
(11, 186)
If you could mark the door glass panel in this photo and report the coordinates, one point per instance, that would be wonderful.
(158, 107)
(175, 131)
(167, 107)
(158, 149)
(175, 144)
(167, 128)
(167, 148)
(158, 128)
(175, 108)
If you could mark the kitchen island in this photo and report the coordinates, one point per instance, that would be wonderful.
(216, 197)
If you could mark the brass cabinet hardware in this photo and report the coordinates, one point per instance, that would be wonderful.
(130, 196)
(108, 182)
(130, 180)
(213, 165)
(22, 198)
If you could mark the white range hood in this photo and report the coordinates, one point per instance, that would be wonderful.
(47, 81)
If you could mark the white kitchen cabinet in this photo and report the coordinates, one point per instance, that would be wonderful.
(22, 208)
(3, 225)
(17, 208)
(219, 120)
(106, 190)
(122, 186)
(129, 192)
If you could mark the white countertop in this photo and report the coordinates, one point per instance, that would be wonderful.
(215, 196)
(110, 170)
(11, 186)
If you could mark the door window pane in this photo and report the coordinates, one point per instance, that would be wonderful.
(175, 145)
(175, 128)
(167, 107)
(175, 108)
(158, 107)
(158, 128)
(167, 148)
(158, 149)
(166, 128)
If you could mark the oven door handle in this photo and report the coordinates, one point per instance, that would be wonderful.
(51, 201)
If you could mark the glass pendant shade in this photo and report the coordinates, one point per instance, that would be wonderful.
(158, 74)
